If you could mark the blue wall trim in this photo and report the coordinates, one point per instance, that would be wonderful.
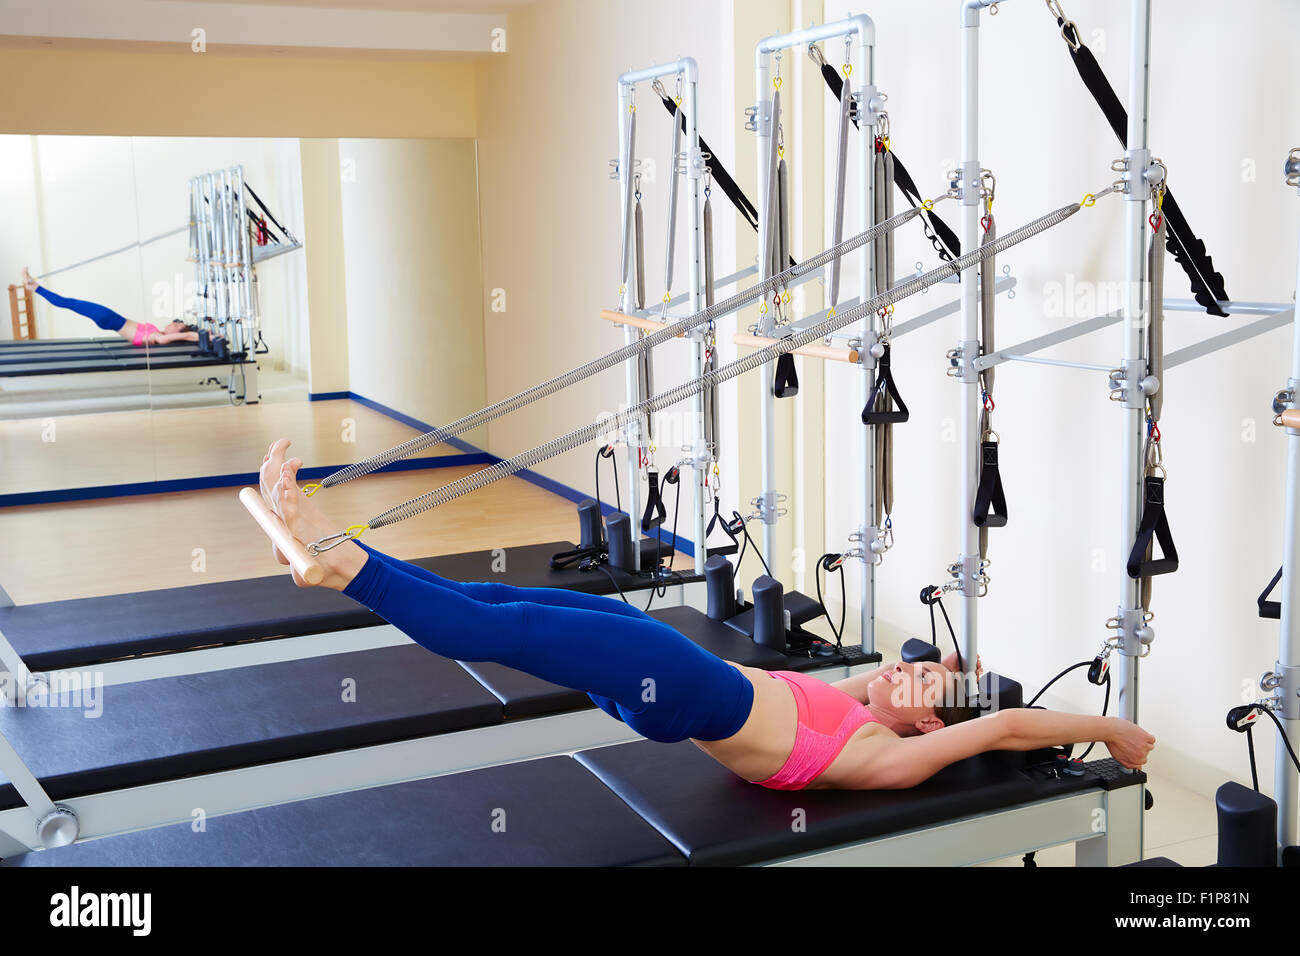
(678, 543)
(207, 482)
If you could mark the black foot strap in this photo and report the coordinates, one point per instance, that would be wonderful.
(787, 379)
(884, 386)
(1155, 525)
(655, 512)
(1267, 608)
(990, 499)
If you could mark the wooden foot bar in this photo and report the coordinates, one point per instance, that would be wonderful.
(812, 351)
(650, 325)
(287, 544)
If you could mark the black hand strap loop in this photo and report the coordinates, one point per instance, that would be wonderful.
(884, 386)
(1188, 251)
(1267, 608)
(655, 512)
(989, 493)
(1155, 525)
(787, 379)
(718, 521)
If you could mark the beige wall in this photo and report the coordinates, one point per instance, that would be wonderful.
(327, 286)
(411, 255)
(210, 94)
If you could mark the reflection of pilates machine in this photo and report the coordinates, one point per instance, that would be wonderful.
(636, 802)
(227, 240)
(230, 231)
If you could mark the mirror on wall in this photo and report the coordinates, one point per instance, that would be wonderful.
(199, 298)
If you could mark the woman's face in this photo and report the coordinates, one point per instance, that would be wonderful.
(908, 693)
(173, 327)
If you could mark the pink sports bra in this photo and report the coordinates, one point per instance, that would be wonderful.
(142, 332)
(828, 717)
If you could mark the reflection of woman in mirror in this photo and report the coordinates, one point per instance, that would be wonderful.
(137, 333)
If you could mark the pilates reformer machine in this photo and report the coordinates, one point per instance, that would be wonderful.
(230, 232)
(417, 775)
(394, 759)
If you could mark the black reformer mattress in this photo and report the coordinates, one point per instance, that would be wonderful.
(77, 633)
(632, 804)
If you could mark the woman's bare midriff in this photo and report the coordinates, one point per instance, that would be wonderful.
(762, 746)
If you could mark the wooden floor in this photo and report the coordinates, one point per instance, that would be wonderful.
(144, 446)
(85, 549)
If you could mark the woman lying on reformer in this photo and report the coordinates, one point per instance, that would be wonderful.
(137, 333)
(886, 729)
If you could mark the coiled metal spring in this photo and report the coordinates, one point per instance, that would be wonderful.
(580, 436)
(667, 333)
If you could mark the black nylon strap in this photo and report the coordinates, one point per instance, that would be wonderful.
(1188, 251)
(716, 520)
(1267, 608)
(261, 204)
(884, 385)
(942, 237)
(787, 379)
(720, 174)
(655, 512)
(990, 499)
(1154, 524)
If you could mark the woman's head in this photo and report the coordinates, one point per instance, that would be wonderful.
(918, 698)
(174, 327)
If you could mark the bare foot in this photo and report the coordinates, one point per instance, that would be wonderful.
(29, 283)
(305, 521)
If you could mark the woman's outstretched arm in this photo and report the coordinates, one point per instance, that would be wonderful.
(889, 763)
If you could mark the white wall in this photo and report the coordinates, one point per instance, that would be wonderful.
(1224, 112)
(411, 257)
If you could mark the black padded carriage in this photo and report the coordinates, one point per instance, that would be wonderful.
(56, 634)
(640, 803)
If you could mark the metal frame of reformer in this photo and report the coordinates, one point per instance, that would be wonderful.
(858, 352)
(638, 434)
(1283, 682)
(1074, 818)
(52, 823)
(1131, 383)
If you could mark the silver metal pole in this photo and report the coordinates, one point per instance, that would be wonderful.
(968, 344)
(1286, 782)
(864, 30)
(632, 377)
(701, 456)
(766, 401)
(1137, 161)
(867, 332)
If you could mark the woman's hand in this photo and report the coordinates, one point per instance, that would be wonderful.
(1129, 743)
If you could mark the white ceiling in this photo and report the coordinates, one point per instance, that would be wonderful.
(331, 27)
(415, 6)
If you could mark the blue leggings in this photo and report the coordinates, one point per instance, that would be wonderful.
(104, 317)
(641, 671)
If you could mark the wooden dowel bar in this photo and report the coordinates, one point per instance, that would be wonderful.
(650, 325)
(287, 544)
(812, 351)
